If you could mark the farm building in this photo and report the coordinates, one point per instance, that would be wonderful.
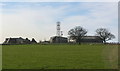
(90, 39)
(58, 39)
(19, 40)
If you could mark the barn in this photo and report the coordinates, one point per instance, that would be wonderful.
(19, 40)
(58, 39)
(89, 39)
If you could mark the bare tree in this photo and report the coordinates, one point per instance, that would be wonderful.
(77, 33)
(104, 34)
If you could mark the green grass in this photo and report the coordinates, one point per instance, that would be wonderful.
(0, 57)
(85, 56)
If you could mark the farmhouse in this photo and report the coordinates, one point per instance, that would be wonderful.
(58, 39)
(19, 40)
(90, 39)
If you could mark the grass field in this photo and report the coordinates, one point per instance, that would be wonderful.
(66, 56)
(0, 57)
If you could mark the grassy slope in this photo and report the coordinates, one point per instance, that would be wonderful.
(58, 57)
(0, 57)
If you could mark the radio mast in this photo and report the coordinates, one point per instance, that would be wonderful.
(58, 29)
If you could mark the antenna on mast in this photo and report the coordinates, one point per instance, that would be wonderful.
(58, 29)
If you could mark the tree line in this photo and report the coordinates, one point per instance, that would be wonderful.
(78, 32)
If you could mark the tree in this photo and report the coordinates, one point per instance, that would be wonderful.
(33, 41)
(77, 33)
(104, 34)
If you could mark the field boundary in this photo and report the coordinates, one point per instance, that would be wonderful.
(110, 54)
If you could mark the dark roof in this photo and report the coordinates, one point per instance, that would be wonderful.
(15, 38)
(91, 37)
(58, 37)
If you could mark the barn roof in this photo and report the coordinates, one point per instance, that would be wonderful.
(58, 37)
(91, 37)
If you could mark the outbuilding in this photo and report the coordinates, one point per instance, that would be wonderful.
(58, 39)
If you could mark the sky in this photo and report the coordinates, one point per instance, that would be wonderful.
(59, 0)
(38, 19)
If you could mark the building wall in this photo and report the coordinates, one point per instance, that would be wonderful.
(58, 40)
(17, 41)
(91, 39)
(86, 39)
